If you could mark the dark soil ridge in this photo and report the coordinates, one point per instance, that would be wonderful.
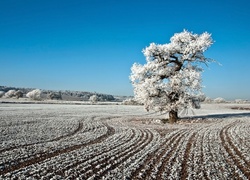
(241, 108)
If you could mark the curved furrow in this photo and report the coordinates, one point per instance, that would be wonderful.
(127, 157)
(160, 168)
(22, 164)
(44, 130)
(176, 162)
(215, 164)
(237, 153)
(233, 156)
(172, 166)
(102, 150)
(196, 160)
(134, 162)
(242, 135)
(184, 165)
(210, 155)
(155, 157)
(59, 166)
(238, 142)
(79, 128)
(109, 163)
(86, 166)
(247, 133)
(214, 159)
(39, 150)
(203, 172)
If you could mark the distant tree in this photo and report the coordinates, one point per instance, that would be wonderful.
(240, 101)
(130, 101)
(35, 94)
(53, 95)
(219, 100)
(202, 97)
(10, 94)
(2, 93)
(93, 99)
(18, 94)
(208, 100)
(171, 78)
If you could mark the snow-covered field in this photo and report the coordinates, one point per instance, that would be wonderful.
(58, 141)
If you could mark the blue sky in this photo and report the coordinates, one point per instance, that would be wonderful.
(90, 45)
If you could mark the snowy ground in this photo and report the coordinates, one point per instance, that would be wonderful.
(62, 141)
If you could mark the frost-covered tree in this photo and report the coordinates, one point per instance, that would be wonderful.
(219, 100)
(202, 98)
(130, 101)
(35, 94)
(93, 99)
(10, 94)
(238, 101)
(18, 94)
(171, 78)
(208, 100)
(54, 95)
(13, 94)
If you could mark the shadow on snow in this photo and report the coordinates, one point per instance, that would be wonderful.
(218, 116)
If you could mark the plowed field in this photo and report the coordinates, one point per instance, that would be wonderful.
(122, 142)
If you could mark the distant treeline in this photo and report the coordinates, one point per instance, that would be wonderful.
(66, 95)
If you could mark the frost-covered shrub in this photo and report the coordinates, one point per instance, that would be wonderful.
(93, 99)
(18, 94)
(202, 97)
(130, 101)
(2, 93)
(35, 94)
(10, 94)
(13, 94)
(208, 100)
(219, 100)
(240, 101)
(53, 95)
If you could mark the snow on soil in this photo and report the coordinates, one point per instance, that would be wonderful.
(61, 141)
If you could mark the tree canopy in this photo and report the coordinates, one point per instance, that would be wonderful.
(171, 78)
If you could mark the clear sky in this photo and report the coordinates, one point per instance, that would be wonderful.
(90, 45)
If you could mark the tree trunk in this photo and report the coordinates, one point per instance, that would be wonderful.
(173, 116)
